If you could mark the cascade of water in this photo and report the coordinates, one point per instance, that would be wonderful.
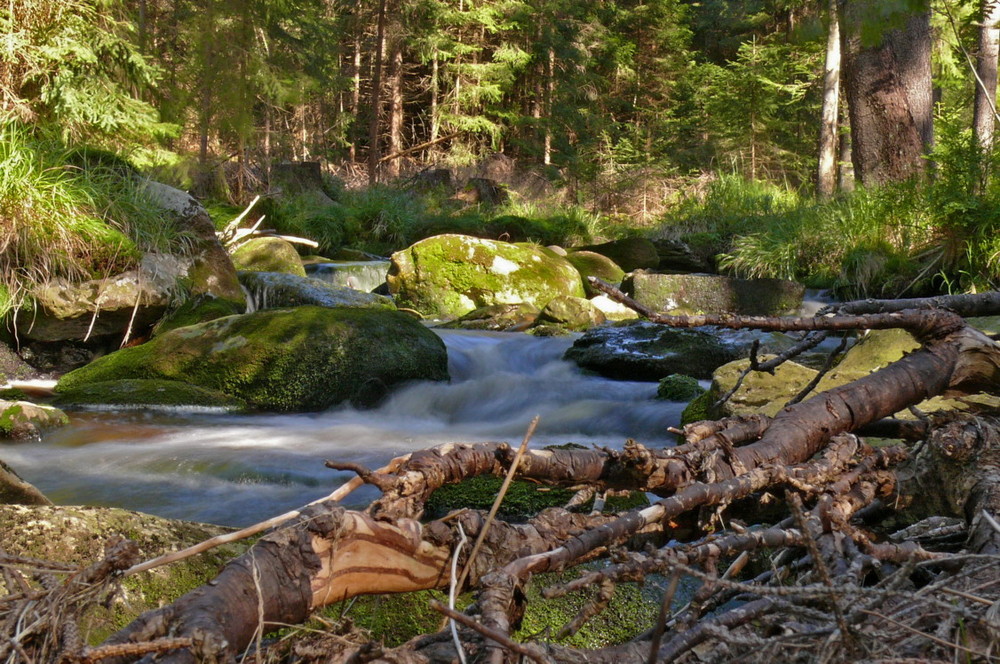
(236, 469)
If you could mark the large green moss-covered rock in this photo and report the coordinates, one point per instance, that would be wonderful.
(268, 254)
(760, 392)
(707, 293)
(77, 535)
(451, 275)
(23, 419)
(302, 359)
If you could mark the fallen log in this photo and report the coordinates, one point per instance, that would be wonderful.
(327, 554)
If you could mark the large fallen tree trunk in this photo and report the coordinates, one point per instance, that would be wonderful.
(327, 554)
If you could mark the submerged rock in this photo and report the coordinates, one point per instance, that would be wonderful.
(645, 351)
(291, 360)
(451, 275)
(706, 293)
(268, 254)
(274, 290)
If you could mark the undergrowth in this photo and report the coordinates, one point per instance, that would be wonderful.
(72, 213)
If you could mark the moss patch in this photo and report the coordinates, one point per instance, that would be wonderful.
(450, 275)
(678, 387)
(153, 392)
(291, 360)
(77, 535)
(268, 254)
(196, 310)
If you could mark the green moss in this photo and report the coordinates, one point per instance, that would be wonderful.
(698, 409)
(197, 310)
(678, 387)
(396, 618)
(291, 360)
(77, 535)
(138, 392)
(268, 254)
(13, 394)
(632, 610)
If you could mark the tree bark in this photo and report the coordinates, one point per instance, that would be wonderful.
(984, 113)
(376, 97)
(889, 94)
(826, 178)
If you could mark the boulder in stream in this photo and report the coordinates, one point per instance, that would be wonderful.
(645, 351)
(286, 360)
(450, 275)
(268, 254)
(631, 253)
(23, 419)
(275, 290)
(709, 293)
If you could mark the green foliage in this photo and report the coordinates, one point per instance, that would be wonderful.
(72, 66)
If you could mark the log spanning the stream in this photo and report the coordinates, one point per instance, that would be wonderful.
(327, 553)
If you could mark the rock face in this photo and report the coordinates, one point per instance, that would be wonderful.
(704, 293)
(633, 253)
(644, 351)
(268, 254)
(450, 275)
(291, 360)
(23, 419)
(138, 298)
(274, 290)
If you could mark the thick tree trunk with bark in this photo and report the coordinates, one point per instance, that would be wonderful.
(826, 179)
(889, 93)
(830, 478)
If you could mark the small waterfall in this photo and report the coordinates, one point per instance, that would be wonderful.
(237, 469)
(360, 275)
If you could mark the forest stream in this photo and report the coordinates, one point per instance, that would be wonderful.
(237, 469)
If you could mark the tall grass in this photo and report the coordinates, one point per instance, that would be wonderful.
(68, 214)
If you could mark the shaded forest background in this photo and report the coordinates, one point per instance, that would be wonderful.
(694, 120)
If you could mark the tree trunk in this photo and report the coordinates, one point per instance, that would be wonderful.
(395, 107)
(376, 97)
(985, 111)
(826, 179)
(889, 94)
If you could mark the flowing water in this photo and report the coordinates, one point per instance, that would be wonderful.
(238, 469)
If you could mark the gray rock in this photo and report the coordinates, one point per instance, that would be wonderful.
(645, 351)
(571, 313)
(275, 290)
(706, 293)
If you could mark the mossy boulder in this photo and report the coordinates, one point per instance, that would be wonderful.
(289, 360)
(570, 313)
(678, 387)
(450, 275)
(77, 535)
(198, 309)
(268, 254)
(275, 290)
(644, 351)
(592, 264)
(148, 393)
(23, 419)
(632, 253)
(760, 392)
(707, 293)
(876, 349)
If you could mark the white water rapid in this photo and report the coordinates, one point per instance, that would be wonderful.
(238, 469)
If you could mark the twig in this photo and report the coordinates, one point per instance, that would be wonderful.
(451, 592)
(496, 503)
(661, 620)
(931, 637)
(130, 649)
(490, 634)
